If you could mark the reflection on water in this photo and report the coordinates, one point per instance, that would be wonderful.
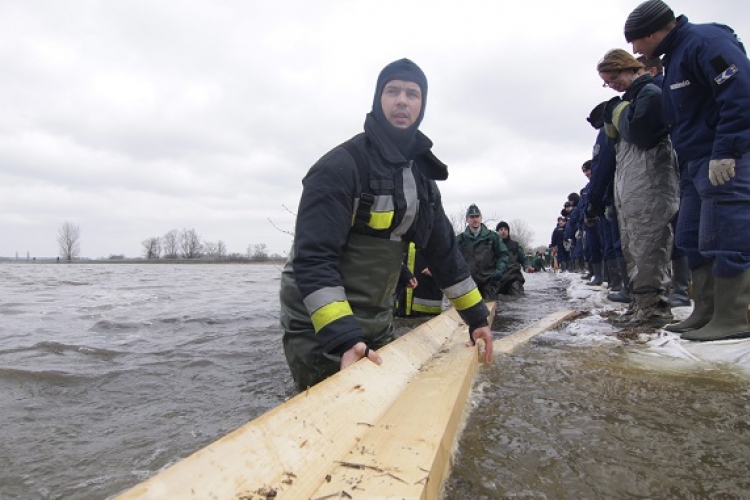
(109, 373)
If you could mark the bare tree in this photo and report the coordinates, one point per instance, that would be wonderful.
(170, 244)
(259, 252)
(521, 232)
(190, 244)
(69, 241)
(152, 248)
(221, 250)
(210, 249)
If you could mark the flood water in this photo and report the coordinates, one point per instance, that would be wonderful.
(110, 372)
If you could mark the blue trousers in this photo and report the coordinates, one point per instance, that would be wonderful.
(714, 221)
(593, 250)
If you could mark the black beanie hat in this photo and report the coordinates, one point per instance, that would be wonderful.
(647, 19)
(596, 117)
(504, 224)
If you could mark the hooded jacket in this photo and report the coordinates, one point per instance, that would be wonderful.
(404, 206)
(485, 253)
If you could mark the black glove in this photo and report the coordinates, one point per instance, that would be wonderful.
(609, 109)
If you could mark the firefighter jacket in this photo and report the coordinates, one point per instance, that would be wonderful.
(351, 236)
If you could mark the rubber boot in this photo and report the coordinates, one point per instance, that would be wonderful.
(615, 279)
(703, 295)
(597, 279)
(729, 321)
(589, 272)
(623, 295)
(680, 283)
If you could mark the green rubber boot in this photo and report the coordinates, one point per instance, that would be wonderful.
(703, 295)
(731, 297)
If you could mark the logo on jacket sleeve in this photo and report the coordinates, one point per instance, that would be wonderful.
(726, 74)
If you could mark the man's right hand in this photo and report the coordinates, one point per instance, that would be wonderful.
(358, 352)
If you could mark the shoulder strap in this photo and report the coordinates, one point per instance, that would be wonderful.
(366, 199)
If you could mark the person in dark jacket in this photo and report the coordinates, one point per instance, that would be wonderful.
(646, 191)
(484, 252)
(679, 261)
(706, 101)
(361, 205)
(418, 294)
(558, 253)
(512, 280)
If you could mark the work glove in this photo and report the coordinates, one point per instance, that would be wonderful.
(609, 109)
(567, 244)
(610, 214)
(720, 171)
(579, 234)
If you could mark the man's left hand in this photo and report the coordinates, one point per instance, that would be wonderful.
(720, 171)
(483, 333)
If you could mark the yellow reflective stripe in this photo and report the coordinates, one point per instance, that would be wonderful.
(380, 220)
(427, 309)
(617, 112)
(411, 256)
(466, 301)
(330, 313)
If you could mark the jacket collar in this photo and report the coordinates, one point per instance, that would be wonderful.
(433, 168)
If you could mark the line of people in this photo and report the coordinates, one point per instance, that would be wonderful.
(669, 177)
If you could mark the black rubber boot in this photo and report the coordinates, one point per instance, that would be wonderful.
(615, 279)
(729, 321)
(680, 283)
(703, 295)
(589, 272)
(623, 295)
(597, 279)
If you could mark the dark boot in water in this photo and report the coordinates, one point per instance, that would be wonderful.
(703, 296)
(729, 321)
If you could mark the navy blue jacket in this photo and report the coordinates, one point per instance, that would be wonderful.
(706, 91)
(600, 192)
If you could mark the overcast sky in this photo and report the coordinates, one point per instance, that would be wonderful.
(133, 118)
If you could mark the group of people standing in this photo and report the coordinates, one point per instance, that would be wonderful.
(670, 177)
(496, 263)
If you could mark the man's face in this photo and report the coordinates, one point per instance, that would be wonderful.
(474, 221)
(647, 45)
(587, 173)
(503, 232)
(401, 102)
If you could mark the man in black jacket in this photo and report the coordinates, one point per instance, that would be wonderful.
(362, 204)
(512, 280)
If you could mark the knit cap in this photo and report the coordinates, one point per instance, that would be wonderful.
(647, 19)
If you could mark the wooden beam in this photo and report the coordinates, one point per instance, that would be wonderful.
(509, 343)
(369, 430)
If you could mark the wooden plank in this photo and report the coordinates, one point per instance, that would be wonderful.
(407, 454)
(385, 431)
(509, 343)
(291, 448)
